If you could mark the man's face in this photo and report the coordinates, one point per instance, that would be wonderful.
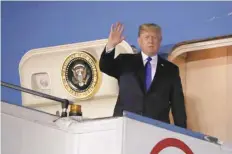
(149, 42)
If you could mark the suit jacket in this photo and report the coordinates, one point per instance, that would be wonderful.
(165, 91)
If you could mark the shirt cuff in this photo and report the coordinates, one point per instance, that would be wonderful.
(108, 50)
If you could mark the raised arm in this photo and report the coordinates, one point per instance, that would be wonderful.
(109, 64)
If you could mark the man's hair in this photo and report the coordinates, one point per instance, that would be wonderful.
(149, 26)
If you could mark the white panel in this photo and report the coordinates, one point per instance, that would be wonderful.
(11, 136)
(101, 142)
(44, 65)
(172, 150)
(20, 136)
(141, 138)
(25, 131)
(33, 132)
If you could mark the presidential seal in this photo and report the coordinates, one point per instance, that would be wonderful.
(81, 75)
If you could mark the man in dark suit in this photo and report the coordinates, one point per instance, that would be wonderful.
(148, 84)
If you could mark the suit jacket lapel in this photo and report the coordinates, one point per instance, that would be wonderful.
(158, 75)
(140, 71)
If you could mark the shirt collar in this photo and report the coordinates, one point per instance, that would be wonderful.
(154, 58)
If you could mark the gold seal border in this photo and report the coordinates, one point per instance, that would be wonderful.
(97, 76)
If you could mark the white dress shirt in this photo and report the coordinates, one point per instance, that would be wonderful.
(153, 63)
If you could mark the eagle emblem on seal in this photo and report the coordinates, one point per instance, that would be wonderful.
(81, 75)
